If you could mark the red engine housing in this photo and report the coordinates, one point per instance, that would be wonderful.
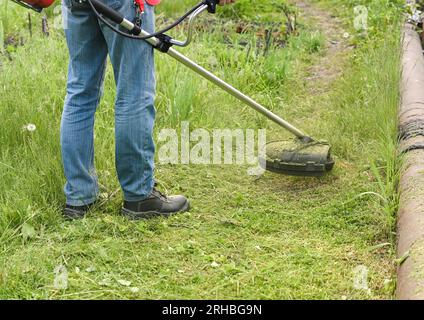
(39, 3)
(153, 2)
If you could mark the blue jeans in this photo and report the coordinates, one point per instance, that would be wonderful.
(89, 43)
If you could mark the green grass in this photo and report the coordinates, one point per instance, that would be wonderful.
(245, 238)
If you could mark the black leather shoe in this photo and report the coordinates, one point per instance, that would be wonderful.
(76, 212)
(156, 205)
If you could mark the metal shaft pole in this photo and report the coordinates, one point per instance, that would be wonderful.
(228, 88)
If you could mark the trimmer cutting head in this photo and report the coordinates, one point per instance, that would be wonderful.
(299, 157)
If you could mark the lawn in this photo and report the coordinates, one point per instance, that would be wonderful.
(246, 237)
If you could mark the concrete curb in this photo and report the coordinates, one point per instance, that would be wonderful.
(411, 210)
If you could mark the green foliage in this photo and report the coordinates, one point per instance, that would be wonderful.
(1, 37)
(265, 11)
(367, 116)
(382, 14)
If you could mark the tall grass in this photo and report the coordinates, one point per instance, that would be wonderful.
(367, 104)
(367, 119)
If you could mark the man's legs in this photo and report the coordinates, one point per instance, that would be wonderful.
(88, 52)
(133, 66)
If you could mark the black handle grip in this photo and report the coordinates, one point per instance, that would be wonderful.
(211, 5)
(113, 15)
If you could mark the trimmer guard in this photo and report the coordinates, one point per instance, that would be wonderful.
(298, 158)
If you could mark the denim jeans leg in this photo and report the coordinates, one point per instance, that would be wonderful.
(133, 66)
(88, 52)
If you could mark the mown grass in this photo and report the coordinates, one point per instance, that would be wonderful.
(269, 237)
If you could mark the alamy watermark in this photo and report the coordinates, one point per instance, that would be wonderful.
(360, 22)
(215, 147)
(360, 278)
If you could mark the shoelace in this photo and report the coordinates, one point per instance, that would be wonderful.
(156, 193)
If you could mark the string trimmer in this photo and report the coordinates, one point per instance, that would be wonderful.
(302, 156)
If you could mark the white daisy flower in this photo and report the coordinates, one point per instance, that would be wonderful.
(29, 127)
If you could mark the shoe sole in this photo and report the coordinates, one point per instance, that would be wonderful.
(152, 214)
(71, 214)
